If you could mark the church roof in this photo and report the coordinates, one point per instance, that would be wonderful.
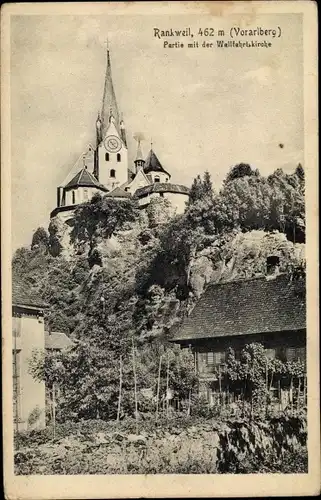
(109, 104)
(118, 192)
(243, 307)
(162, 187)
(152, 164)
(84, 179)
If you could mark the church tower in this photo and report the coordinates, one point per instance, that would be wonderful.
(111, 168)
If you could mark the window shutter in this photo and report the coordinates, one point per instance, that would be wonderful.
(290, 353)
(210, 358)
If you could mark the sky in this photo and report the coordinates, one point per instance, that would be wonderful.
(204, 109)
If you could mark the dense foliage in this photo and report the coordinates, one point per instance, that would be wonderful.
(90, 382)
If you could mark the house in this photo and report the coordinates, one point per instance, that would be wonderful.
(270, 310)
(29, 398)
(105, 167)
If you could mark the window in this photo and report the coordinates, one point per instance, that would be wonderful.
(156, 179)
(301, 353)
(270, 353)
(161, 195)
(16, 326)
(113, 173)
(215, 358)
(16, 384)
(118, 157)
(295, 353)
(107, 156)
(210, 358)
(219, 358)
(86, 194)
(73, 197)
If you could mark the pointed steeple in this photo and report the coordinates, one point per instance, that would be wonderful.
(109, 106)
(139, 154)
(139, 161)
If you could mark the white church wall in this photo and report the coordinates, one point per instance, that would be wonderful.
(82, 194)
(178, 200)
(138, 182)
(112, 159)
(159, 176)
(110, 163)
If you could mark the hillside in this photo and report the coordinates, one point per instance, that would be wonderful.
(120, 273)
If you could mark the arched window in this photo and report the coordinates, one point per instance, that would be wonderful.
(156, 179)
(118, 157)
(73, 198)
(113, 173)
(107, 156)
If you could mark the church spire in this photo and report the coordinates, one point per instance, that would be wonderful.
(139, 161)
(109, 106)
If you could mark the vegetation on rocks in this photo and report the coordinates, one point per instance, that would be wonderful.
(178, 445)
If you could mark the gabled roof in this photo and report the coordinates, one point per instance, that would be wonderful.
(162, 187)
(258, 305)
(118, 192)
(84, 179)
(22, 295)
(78, 165)
(57, 340)
(152, 164)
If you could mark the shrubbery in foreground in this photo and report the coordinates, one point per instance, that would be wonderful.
(178, 445)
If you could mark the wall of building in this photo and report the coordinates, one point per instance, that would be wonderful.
(81, 194)
(284, 345)
(138, 182)
(28, 335)
(107, 164)
(159, 176)
(178, 200)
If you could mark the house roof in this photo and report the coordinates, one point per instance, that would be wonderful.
(244, 307)
(118, 192)
(57, 340)
(152, 164)
(162, 187)
(22, 295)
(84, 179)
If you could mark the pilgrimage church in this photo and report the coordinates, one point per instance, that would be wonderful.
(104, 167)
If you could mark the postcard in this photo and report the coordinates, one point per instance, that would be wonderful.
(159, 249)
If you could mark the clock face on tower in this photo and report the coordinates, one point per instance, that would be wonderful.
(112, 143)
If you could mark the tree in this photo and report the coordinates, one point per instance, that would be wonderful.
(102, 216)
(239, 171)
(40, 239)
(202, 189)
(288, 204)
